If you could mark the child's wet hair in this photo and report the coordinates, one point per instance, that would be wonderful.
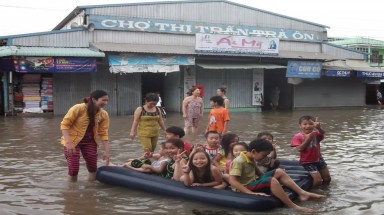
(226, 141)
(307, 117)
(176, 142)
(207, 175)
(244, 144)
(264, 133)
(211, 132)
(218, 100)
(176, 131)
(260, 145)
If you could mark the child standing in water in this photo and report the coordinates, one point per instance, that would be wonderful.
(307, 142)
(199, 172)
(243, 179)
(218, 118)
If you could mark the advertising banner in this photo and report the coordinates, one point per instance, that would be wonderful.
(304, 69)
(258, 87)
(53, 64)
(218, 43)
(147, 59)
(361, 74)
(338, 73)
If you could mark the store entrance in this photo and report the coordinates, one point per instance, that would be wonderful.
(273, 79)
(153, 83)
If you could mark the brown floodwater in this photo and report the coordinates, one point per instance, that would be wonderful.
(33, 168)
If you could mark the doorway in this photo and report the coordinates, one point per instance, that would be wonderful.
(152, 83)
(276, 78)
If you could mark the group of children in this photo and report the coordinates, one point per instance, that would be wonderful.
(248, 168)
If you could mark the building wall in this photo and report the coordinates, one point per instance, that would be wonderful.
(327, 92)
(341, 53)
(69, 89)
(238, 84)
(173, 89)
(124, 91)
(128, 93)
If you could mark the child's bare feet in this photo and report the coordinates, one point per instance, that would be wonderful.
(307, 195)
(110, 164)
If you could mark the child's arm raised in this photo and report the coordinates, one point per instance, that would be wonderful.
(187, 176)
(318, 126)
(178, 165)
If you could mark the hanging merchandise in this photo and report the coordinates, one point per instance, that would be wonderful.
(47, 94)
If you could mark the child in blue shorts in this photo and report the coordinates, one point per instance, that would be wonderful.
(307, 142)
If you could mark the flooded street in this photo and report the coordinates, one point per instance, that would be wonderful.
(33, 168)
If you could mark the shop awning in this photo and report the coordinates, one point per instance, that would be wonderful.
(239, 66)
(359, 65)
(144, 48)
(48, 52)
(336, 65)
(139, 62)
(342, 68)
(190, 50)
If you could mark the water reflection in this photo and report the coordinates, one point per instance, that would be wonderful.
(33, 168)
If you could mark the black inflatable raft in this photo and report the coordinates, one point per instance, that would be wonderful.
(119, 176)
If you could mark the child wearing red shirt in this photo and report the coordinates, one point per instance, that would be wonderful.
(307, 142)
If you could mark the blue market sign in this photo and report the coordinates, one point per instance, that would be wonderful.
(304, 69)
(361, 74)
(338, 73)
(180, 27)
(54, 64)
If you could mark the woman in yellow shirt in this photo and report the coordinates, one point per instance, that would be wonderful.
(80, 128)
(146, 121)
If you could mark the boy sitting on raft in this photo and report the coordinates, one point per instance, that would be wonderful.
(243, 179)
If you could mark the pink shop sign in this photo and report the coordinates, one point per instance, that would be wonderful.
(217, 43)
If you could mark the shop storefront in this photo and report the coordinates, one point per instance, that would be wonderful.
(209, 44)
(30, 79)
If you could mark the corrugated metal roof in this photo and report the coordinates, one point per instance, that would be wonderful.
(78, 9)
(356, 65)
(360, 40)
(144, 48)
(48, 51)
(190, 50)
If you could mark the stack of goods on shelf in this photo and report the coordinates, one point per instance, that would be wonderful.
(31, 93)
(17, 96)
(47, 94)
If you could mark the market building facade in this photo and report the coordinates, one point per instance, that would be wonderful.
(168, 47)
